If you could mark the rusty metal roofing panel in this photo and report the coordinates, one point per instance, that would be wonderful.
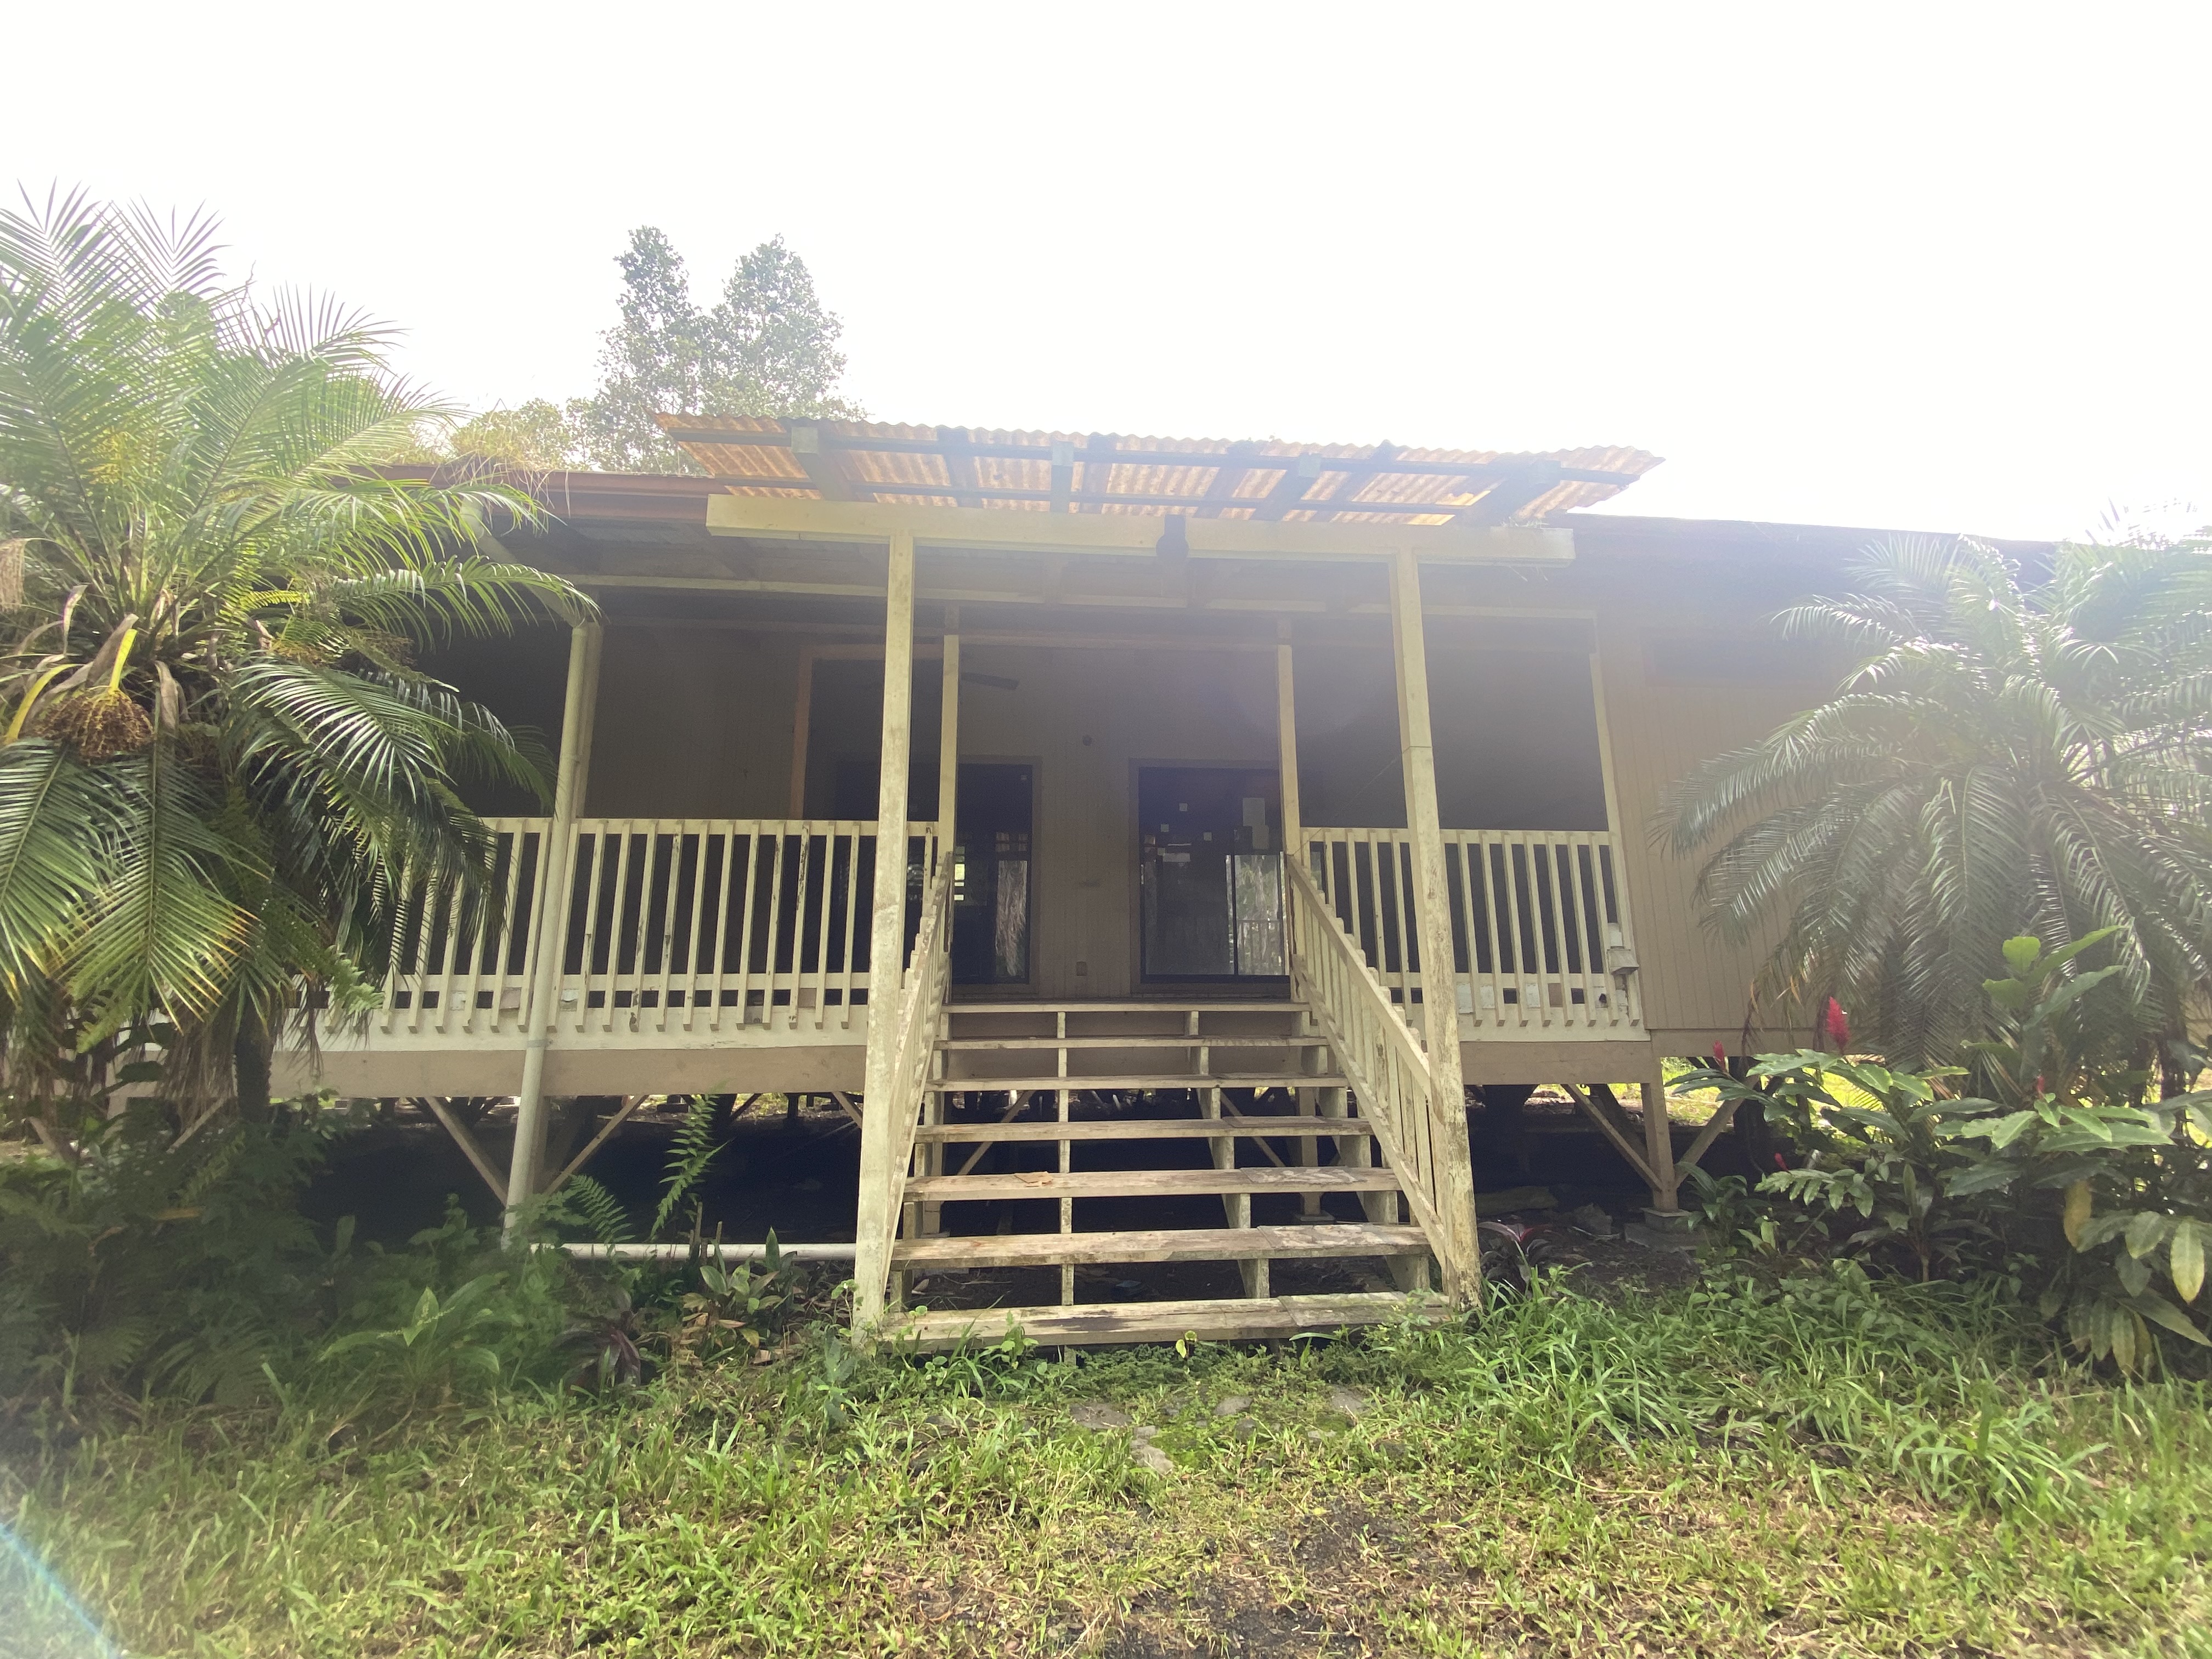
(1121, 473)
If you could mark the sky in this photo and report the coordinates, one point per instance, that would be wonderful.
(1932, 265)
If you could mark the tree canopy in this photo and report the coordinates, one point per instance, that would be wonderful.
(767, 347)
(2013, 755)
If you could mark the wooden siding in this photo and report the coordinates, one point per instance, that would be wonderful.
(1695, 982)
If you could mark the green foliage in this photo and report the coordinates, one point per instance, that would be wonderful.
(2010, 757)
(2059, 1173)
(220, 772)
(534, 436)
(689, 1154)
(766, 347)
(185, 1271)
(737, 1304)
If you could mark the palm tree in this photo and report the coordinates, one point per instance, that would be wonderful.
(216, 757)
(2010, 756)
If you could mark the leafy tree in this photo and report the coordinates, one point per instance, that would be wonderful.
(2011, 756)
(534, 436)
(766, 347)
(218, 766)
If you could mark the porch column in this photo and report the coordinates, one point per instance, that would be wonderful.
(886, 936)
(1286, 747)
(539, 1009)
(1454, 1173)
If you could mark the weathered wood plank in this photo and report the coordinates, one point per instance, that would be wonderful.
(1242, 1319)
(1147, 1128)
(1125, 1080)
(1161, 1244)
(1150, 1183)
(1131, 1040)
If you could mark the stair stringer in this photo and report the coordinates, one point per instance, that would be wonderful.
(1360, 1073)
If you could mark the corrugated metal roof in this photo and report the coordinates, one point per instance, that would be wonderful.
(1110, 472)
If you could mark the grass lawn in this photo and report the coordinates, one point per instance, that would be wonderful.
(1821, 1467)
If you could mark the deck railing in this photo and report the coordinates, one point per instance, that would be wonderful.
(668, 925)
(1383, 1060)
(1540, 923)
(921, 1013)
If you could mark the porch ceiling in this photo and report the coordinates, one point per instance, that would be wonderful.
(1106, 472)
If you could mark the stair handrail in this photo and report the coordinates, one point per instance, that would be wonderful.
(919, 1012)
(1384, 1059)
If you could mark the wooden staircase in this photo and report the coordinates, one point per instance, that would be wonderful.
(1114, 1117)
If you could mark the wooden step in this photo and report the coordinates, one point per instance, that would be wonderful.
(1160, 1245)
(945, 1085)
(1223, 1319)
(1151, 1041)
(1148, 1183)
(1147, 1128)
(957, 1009)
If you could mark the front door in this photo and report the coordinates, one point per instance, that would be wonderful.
(1210, 861)
(991, 884)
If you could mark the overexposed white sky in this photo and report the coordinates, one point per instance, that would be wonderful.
(1937, 265)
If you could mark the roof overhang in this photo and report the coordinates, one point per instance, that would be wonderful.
(1098, 474)
(995, 529)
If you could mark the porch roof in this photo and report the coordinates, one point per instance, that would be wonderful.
(1264, 479)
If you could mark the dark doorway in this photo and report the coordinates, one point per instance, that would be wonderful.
(1210, 842)
(991, 892)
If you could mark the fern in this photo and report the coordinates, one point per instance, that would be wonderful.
(689, 1154)
(598, 1210)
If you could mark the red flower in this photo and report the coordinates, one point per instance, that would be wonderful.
(1838, 1029)
(1720, 1058)
(1778, 1164)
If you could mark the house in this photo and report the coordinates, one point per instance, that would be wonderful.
(1202, 761)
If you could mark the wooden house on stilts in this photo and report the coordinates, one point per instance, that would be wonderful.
(1103, 794)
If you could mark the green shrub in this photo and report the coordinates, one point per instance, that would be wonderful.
(2049, 1165)
(185, 1270)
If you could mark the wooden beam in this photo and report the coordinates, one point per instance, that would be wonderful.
(821, 471)
(1231, 472)
(1453, 1168)
(886, 941)
(845, 1101)
(959, 465)
(1512, 493)
(1614, 1124)
(1097, 468)
(630, 1104)
(1123, 534)
(1240, 1320)
(1714, 1128)
(468, 1144)
(890, 446)
(1299, 474)
(1063, 476)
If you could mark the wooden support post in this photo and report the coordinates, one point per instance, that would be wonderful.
(886, 940)
(1659, 1150)
(540, 1009)
(802, 727)
(1286, 751)
(1452, 1178)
